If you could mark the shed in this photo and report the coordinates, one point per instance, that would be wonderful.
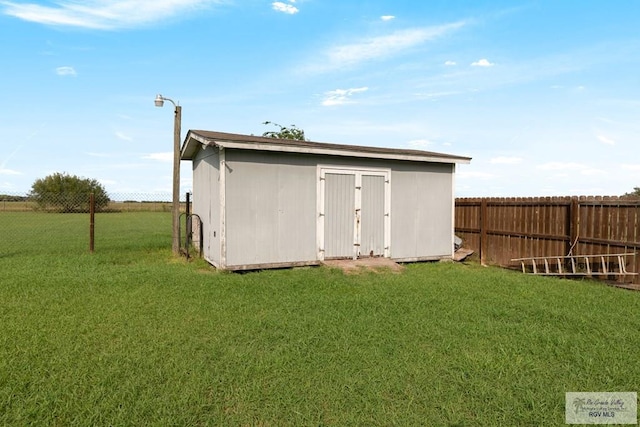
(269, 203)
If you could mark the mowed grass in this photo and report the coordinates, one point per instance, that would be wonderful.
(130, 336)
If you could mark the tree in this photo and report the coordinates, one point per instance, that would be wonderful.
(634, 193)
(68, 193)
(285, 132)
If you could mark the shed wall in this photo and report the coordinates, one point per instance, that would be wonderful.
(206, 203)
(270, 208)
(422, 212)
(422, 200)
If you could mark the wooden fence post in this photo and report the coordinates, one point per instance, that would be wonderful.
(483, 230)
(92, 216)
(574, 224)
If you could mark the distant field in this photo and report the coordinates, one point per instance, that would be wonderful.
(131, 336)
(125, 206)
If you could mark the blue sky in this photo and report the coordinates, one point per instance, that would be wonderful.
(544, 95)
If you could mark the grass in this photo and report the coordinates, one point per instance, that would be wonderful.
(130, 336)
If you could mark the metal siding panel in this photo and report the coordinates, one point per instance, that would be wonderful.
(372, 216)
(201, 195)
(339, 215)
(403, 221)
(421, 203)
(213, 228)
(296, 219)
(206, 200)
(271, 209)
(415, 191)
(249, 204)
(435, 221)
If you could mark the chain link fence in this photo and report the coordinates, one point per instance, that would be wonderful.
(61, 223)
(79, 202)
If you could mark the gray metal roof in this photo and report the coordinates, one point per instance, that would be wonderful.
(197, 138)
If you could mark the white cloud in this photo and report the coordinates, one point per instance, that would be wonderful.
(166, 156)
(66, 71)
(606, 120)
(562, 169)
(387, 17)
(506, 160)
(635, 168)
(102, 14)
(560, 166)
(284, 7)
(6, 186)
(4, 171)
(475, 175)
(380, 47)
(419, 144)
(123, 137)
(436, 95)
(592, 171)
(482, 63)
(449, 63)
(605, 140)
(341, 96)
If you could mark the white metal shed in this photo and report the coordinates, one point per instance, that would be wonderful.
(268, 203)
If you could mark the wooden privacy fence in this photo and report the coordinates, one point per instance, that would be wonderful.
(502, 229)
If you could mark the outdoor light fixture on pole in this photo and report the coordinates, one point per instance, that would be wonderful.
(175, 207)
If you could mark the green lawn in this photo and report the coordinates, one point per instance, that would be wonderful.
(130, 336)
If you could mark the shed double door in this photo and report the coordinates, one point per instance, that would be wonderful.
(355, 213)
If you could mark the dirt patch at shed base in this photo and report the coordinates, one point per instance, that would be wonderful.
(375, 264)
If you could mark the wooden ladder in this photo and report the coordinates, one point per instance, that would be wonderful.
(577, 265)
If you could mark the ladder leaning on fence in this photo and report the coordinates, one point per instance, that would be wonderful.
(577, 265)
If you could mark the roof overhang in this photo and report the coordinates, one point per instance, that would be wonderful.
(196, 140)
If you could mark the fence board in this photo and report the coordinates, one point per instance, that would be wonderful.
(501, 229)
